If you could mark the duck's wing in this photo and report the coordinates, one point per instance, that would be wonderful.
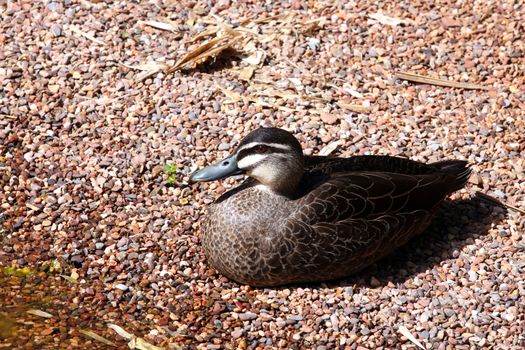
(353, 219)
(331, 250)
(367, 195)
(332, 165)
(367, 163)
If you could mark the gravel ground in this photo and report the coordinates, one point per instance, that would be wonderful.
(98, 227)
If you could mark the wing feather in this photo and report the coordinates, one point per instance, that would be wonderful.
(336, 249)
(368, 195)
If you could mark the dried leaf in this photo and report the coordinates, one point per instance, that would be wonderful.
(405, 332)
(284, 95)
(269, 91)
(97, 337)
(247, 73)
(265, 19)
(212, 53)
(134, 341)
(353, 92)
(239, 30)
(269, 37)
(224, 28)
(440, 82)
(141, 344)
(223, 38)
(353, 107)
(39, 313)
(201, 53)
(256, 58)
(391, 21)
(159, 25)
(68, 278)
(498, 202)
(232, 95)
(328, 149)
(73, 278)
(150, 66)
(311, 26)
(74, 29)
(297, 83)
(197, 52)
(120, 331)
(145, 75)
(210, 31)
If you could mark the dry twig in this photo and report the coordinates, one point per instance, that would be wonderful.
(404, 331)
(88, 36)
(491, 199)
(97, 337)
(440, 82)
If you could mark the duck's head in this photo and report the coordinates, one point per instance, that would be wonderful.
(271, 156)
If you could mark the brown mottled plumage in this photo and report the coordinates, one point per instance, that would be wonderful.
(307, 219)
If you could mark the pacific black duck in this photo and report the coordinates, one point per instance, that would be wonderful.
(312, 218)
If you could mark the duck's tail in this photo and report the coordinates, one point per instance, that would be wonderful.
(459, 168)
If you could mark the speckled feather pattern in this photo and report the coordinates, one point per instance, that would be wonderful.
(348, 213)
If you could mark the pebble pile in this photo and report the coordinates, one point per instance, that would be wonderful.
(94, 168)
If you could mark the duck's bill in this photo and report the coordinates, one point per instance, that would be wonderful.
(224, 168)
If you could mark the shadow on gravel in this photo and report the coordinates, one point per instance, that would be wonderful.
(222, 62)
(456, 225)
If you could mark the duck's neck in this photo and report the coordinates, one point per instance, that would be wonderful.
(283, 180)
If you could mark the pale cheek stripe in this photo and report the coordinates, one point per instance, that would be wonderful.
(265, 173)
(250, 160)
(274, 145)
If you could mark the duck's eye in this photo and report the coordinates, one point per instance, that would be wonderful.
(261, 149)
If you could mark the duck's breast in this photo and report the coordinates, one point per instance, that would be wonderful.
(239, 232)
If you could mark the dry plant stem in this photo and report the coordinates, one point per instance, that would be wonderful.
(439, 82)
(498, 202)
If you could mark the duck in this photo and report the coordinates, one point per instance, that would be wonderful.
(308, 219)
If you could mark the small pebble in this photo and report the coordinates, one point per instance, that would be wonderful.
(121, 287)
